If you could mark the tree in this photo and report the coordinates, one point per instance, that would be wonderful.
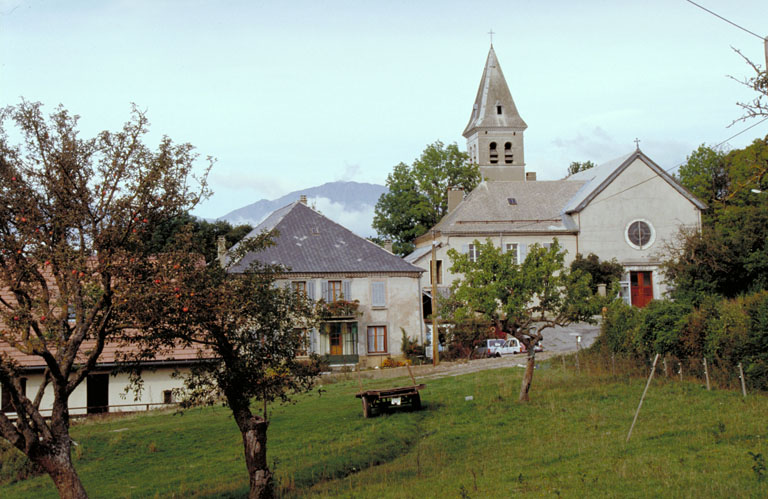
(759, 83)
(606, 272)
(522, 300)
(75, 225)
(705, 175)
(576, 167)
(418, 194)
(248, 329)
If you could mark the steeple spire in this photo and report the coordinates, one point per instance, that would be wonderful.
(495, 130)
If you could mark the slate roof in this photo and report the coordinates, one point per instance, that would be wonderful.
(308, 242)
(493, 91)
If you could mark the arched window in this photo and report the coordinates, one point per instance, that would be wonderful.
(508, 153)
(494, 154)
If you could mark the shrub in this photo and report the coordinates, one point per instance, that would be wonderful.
(14, 466)
(411, 348)
(659, 327)
(618, 328)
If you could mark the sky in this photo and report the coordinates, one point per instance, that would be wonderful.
(292, 94)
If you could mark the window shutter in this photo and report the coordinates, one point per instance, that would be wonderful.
(345, 290)
(312, 340)
(465, 248)
(522, 249)
(378, 294)
(311, 290)
(324, 291)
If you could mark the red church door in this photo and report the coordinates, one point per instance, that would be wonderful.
(641, 288)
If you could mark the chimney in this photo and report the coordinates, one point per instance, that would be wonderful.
(221, 250)
(303, 199)
(388, 245)
(530, 176)
(455, 196)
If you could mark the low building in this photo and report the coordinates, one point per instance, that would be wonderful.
(371, 296)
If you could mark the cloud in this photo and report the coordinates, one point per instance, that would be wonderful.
(349, 173)
(358, 221)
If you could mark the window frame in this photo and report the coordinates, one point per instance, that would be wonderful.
(651, 236)
(517, 250)
(378, 338)
(472, 252)
(374, 303)
(332, 290)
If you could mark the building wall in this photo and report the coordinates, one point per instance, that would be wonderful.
(637, 194)
(155, 382)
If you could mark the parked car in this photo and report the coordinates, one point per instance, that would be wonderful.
(538, 348)
(488, 348)
(510, 347)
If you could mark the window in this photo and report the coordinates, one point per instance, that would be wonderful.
(168, 397)
(546, 246)
(304, 348)
(508, 157)
(513, 248)
(334, 290)
(439, 265)
(377, 339)
(5, 399)
(300, 287)
(494, 154)
(498, 109)
(472, 252)
(640, 234)
(379, 294)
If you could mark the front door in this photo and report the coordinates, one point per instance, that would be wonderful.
(641, 288)
(97, 393)
(337, 348)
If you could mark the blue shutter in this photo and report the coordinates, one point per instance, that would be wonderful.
(324, 291)
(311, 290)
(522, 249)
(346, 291)
(378, 294)
(312, 339)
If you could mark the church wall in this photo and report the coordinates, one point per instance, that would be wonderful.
(638, 193)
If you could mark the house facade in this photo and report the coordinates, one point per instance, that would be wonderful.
(628, 209)
(370, 295)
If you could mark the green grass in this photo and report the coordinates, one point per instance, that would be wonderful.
(568, 441)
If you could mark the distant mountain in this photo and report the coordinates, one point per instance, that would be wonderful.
(347, 203)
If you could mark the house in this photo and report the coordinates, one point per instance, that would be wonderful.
(627, 209)
(371, 295)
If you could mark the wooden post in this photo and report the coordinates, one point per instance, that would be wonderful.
(637, 412)
(409, 372)
(613, 364)
(680, 372)
(435, 333)
(664, 363)
(706, 373)
(563, 357)
(743, 385)
(359, 378)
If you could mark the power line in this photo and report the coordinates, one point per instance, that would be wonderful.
(726, 20)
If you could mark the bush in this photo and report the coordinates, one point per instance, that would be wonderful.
(411, 349)
(14, 466)
(659, 327)
(618, 328)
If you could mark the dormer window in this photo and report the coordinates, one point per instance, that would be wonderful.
(494, 154)
(508, 157)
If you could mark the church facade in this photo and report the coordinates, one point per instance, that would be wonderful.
(627, 209)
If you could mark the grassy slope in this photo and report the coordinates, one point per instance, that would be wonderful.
(569, 440)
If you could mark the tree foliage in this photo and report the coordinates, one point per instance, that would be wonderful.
(418, 194)
(602, 272)
(76, 224)
(249, 332)
(577, 166)
(522, 300)
(705, 175)
(729, 256)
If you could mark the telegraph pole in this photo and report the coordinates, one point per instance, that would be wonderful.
(435, 334)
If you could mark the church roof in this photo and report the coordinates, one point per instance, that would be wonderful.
(308, 242)
(512, 206)
(492, 92)
(599, 177)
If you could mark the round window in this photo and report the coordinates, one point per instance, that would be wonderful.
(640, 234)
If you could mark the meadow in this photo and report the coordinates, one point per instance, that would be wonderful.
(472, 439)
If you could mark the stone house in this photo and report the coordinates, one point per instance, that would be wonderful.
(371, 295)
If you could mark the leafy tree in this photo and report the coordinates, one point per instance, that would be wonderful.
(705, 175)
(522, 300)
(576, 167)
(605, 272)
(76, 223)
(249, 332)
(418, 194)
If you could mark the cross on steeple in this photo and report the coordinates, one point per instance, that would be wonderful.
(491, 33)
(637, 143)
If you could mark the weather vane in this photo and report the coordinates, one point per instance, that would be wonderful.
(491, 33)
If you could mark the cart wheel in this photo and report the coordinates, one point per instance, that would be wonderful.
(367, 413)
(416, 402)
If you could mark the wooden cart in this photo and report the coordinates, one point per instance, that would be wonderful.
(385, 398)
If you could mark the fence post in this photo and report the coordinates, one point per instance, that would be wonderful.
(741, 376)
(664, 363)
(637, 412)
(706, 373)
(680, 362)
(613, 364)
(563, 357)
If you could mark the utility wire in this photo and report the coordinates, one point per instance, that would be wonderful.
(726, 20)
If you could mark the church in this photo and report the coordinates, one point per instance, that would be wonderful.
(628, 208)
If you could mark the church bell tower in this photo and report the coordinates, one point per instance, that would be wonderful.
(495, 130)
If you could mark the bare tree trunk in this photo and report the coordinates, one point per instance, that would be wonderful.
(57, 462)
(528, 376)
(254, 431)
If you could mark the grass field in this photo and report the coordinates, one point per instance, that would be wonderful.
(569, 441)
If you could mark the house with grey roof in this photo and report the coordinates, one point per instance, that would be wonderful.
(627, 209)
(371, 295)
